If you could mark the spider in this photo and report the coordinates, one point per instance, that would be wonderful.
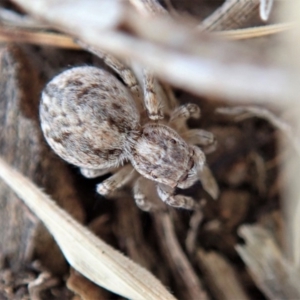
(91, 120)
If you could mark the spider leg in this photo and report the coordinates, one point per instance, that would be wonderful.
(145, 195)
(208, 182)
(120, 68)
(151, 100)
(202, 138)
(166, 194)
(141, 189)
(124, 72)
(169, 99)
(93, 173)
(119, 179)
(181, 114)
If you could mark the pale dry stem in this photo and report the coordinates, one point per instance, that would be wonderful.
(37, 38)
(88, 254)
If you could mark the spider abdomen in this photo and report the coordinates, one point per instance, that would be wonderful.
(88, 117)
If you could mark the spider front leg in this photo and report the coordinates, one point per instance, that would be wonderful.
(141, 189)
(167, 195)
(116, 181)
(202, 138)
(93, 173)
(152, 102)
(181, 114)
(146, 196)
(120, 68)
(208, 182)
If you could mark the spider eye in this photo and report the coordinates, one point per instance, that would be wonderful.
(174, 142)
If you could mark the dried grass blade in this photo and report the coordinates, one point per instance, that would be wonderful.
(232, 14)
(254, 32)
(37, 38)
(22, 35)
(84, 251)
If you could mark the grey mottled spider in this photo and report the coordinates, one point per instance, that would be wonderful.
(93, 121)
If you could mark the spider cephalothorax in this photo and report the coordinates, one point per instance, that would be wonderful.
(92, 120)
(160, 154)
